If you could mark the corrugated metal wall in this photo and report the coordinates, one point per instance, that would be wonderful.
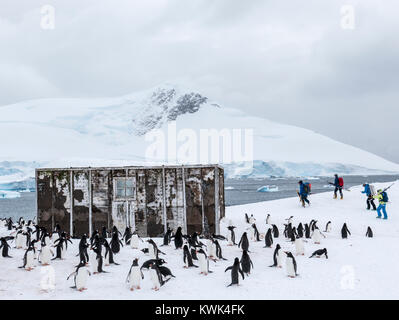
(161, 194)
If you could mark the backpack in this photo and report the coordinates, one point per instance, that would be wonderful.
(384, 197)
(341, 181)
(307, 187)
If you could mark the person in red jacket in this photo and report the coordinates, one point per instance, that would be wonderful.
(339, 185)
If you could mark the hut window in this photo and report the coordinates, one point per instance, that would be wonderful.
(124, 188)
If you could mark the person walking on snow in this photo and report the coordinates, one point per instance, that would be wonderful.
(370, 199)
(303, 193)
(339, 184)
(382, 197)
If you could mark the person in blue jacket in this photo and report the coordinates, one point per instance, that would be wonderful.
(303, 194)
(370, 198)
(338, 187)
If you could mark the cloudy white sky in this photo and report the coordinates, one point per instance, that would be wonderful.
(289, 61)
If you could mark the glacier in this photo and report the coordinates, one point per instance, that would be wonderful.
(114, 131)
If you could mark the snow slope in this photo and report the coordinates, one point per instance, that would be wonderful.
(357, 268)
(72, 132)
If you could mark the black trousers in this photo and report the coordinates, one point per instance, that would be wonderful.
(340, 191)
(370, 202)
(304, 199)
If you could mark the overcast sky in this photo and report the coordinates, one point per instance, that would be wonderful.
(289, 61)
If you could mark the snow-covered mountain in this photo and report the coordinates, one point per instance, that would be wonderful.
(112, 131)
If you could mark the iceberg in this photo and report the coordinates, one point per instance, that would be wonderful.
(9, 194)
(267, 189)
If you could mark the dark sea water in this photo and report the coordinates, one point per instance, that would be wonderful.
(244, 191)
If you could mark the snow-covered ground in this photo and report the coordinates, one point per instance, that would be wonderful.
(357, 268)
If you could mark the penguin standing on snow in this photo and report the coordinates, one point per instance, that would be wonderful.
(316, 236)
(29, 258)
(203, 262)
(97, 263)
(319, 253)
(278, 257)
(167, 237)
(219, 254)
(345, 231)
(153, 249)
(134, 241)
(115, 243)
(109, 255)
(369, 233)
(187, 258)
(5, 246)
(127, 235)
(291, 265)
(235, 269)
(268, 239)
(299, 230)
(83, 245)
(244, 243)
(80, 276)
(156, 277)
(307, 231)
(135, 275)
(299, 247)
(276, 233)
(328, 227)
(268, 219)
(256, 233)
(45, 254)
(178, 238)
(231, 236)
(246, 263)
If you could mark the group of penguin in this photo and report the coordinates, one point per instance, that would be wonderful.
(195, 247)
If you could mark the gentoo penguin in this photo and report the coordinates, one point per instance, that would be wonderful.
(80, 276)
(29, 258)
(97, 262)
(307, 231)
(268, 239)
(345, 231)
(5, 246)
(115, 243)
(153, 250)
(246, 263)
(203, 262)
(135, 275)
(210, 248)
(231, 236)
(291, 265)
(148, 263)
(45, 254)
(278, 257)
(328, 227)
(244, 243)
(276, 233)
(127, 235)
(83, 245)
(235, 269)
(167, 237)
(268, 219)
(319, 253)
(246, 218)
(219, 254)
(178, 238)
(187, 258)
(218, 237)
(256, 233)
(165, 271)
(299, 247)
(156, 277)
(369, 233)
(316, 236)
(109, 255)
(134, 241)
(299, 230)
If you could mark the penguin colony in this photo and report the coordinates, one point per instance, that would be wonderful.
(99, 251)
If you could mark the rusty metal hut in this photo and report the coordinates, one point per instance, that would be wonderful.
(147, 199)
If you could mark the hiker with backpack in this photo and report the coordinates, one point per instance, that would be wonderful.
(339, 185)
(382, 197)
(304, 190)
(370, 198)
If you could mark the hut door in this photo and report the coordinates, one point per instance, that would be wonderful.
(119, 215)
(131, 216)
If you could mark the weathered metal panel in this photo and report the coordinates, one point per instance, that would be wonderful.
(61, 206)
(119, 206)
(101, 201)
(208, 198)
(81, 202)
(221, 194)
(44, 185)
(141, 203)
(193, 200)
(174, 198)
(180, 219)
(154, 202)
